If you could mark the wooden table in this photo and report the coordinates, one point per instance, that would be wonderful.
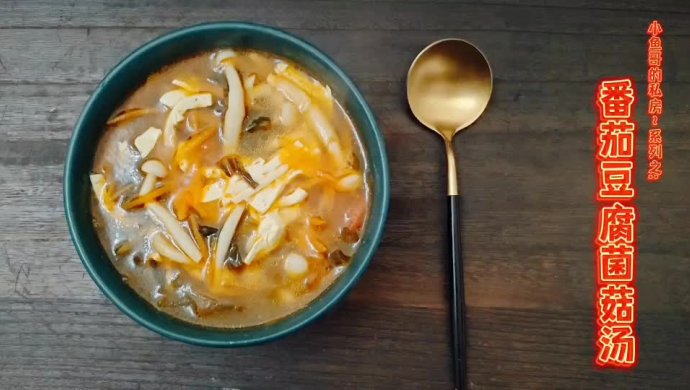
(527, 174)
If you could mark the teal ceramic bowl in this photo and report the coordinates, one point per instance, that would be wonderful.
(129, 75)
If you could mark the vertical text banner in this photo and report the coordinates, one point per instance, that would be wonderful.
(615, 237)
(655, 107)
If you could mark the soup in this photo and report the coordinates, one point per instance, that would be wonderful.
(230, 189)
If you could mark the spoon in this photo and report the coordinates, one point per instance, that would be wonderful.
(448, 87)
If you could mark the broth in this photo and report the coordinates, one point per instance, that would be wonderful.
(230, 189)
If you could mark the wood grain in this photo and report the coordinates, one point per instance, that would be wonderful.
(76, 55)
(526, 176)
(485, 15)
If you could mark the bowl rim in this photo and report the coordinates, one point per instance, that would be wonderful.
(305, 315)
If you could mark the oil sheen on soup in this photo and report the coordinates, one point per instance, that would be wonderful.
(230, 189)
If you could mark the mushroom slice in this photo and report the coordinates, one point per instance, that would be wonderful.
(220, 59)
(178, 111)
(227, 232)
(166, 249)
(234, 116)
(176, 231)
(147, 185)
(153, 170)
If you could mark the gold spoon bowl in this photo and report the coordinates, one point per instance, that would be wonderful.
(448, 87)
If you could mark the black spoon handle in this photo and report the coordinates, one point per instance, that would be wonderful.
(457, 293)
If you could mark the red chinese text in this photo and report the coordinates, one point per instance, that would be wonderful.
(655, 105)
(615, 236)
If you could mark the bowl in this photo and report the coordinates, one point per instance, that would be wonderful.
(132, 72)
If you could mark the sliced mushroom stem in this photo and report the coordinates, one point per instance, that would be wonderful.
(227, 232)
(176, 231)
(234, 116)
(153, 169)
(148, 184)
(178, 111)
(166, 249)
